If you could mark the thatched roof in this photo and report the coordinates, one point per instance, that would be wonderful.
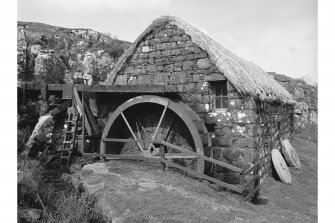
(247, 78)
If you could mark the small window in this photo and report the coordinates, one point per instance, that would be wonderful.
(220, 94)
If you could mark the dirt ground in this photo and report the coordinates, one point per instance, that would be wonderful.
(140, 192)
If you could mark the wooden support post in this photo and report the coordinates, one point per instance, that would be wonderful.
(242, 180)
(162, 151)
(82, 124)
(103, 150)
(23, 93)
(44, 91)
(257, 183)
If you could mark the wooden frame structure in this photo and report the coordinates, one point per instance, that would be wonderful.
(165, 158)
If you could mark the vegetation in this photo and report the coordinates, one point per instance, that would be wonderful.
(60, 201)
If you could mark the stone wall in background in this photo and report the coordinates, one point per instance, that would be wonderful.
(56, 55)
(306, 110)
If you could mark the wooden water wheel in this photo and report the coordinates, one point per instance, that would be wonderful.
(152, 118)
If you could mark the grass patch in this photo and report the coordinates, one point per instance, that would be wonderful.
(309, 133)
(60, 201)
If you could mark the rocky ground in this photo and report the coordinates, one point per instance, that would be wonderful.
(54, 54)
(140, 192)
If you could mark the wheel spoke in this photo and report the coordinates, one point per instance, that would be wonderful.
(159, 124)
(131, 130)
(145, 132)
(169, 128)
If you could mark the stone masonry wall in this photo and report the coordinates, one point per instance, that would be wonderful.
(274, 123)
(168, 55)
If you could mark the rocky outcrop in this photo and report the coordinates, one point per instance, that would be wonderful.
(306, 110)
(58, 55)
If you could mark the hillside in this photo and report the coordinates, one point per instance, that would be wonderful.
(306, 110)
(55, 54)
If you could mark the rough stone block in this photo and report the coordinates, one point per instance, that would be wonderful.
(188, 65)
(248, 142)
(202, 87)
(190, 87)
(203, 63)
(185, 51)
(145, 49)
(175, 52)
(145, 79)
(161, 78)
(155, 54)
(215, 77)
(151, 68)
(121, 80)
(167, 53)
(178, 78)
(132, 80)
(143, 55)
(200, 55)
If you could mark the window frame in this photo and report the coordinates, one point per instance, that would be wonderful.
(222, 85)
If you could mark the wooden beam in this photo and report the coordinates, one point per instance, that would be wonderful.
(139, 88)
(80, 105)
(91, 119)
(60, 108)
(186, 151)
(203, 176)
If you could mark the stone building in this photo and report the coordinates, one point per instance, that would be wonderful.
(244, 109)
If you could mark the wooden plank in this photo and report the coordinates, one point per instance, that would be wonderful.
(251, 168)
(125, 157)
(29, 86)
(78, 102)
(236, 169)
(202, 176)
(67, 91)
(139, 88)
(91, 119)
(60, 108)
(252, 193)
(252, 180)
(152, 88)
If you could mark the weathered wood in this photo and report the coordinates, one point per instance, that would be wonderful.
(236, 169)
(80, 106)
(139, 88)
(233, 168)
(60, 108)
(44, 91)
(256, 189)
(131, 131)
(91, 119)
(125, 157)
(159, 124)
(251, 168)
(203, 176)
(252, 180)
(162, 151)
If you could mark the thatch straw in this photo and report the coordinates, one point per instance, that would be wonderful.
(247, 78)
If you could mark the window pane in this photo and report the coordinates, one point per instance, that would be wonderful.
(224, 88)
(217, 90)
(224, 103)
(218, 102)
